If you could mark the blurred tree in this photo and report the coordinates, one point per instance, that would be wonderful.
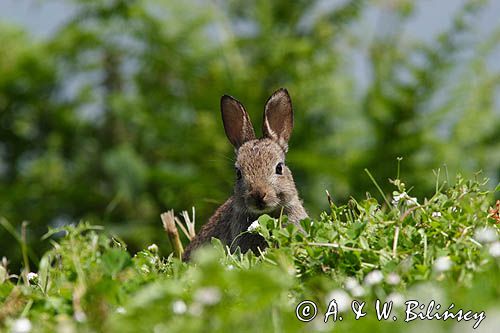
(115, 118)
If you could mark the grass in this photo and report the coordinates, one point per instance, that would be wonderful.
(444, 248)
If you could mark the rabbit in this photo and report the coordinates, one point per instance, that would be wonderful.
(264, 184)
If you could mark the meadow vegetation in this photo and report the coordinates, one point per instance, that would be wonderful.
(114, 118)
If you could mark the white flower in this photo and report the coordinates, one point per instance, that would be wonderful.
(354, 287)
(341, 297)
(351, 283)
(153, 248)
(426, 292)
(396, 298)
(490, 324)
(393, 278)
(3, 274)
(32, 277)
(21, 325)
(121, 310)
(179, 307)
(443, 264)
(410, 201)
(495, 249)
(319, 325)
(230, 267)
(357, 291)
(80, 316)
(436, 214)
(396, 198)
(254, 226)
(208, 295)
(196, 309)
(485, 235)
(374, 277)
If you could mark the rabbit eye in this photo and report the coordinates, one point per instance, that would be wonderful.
(279, 168)
(238, 173)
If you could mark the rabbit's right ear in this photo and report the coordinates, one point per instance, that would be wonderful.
(236, 121)
(278, 118)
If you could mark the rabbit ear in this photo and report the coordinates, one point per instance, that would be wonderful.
(236, 121)
(278, 118)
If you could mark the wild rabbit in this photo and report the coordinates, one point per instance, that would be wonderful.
(264, 184)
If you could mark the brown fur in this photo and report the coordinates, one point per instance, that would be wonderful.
(260, 189)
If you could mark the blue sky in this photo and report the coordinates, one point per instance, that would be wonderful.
(42, 17)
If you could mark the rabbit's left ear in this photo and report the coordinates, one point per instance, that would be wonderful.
(236, 121)
(278, 118)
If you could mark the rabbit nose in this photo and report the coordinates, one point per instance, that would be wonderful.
(259, 198)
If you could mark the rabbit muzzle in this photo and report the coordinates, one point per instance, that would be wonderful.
(261, 201)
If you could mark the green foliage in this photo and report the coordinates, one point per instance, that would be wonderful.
(444, 248)
(114, 118)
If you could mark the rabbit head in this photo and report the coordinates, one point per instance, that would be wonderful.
(264, 184)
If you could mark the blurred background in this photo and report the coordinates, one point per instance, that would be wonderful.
(109, 109)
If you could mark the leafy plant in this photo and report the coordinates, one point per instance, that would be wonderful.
(114, 117)
(443, 248)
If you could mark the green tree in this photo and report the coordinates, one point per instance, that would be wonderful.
(115, 117)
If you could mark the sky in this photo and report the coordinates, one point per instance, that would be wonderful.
(43, 17)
